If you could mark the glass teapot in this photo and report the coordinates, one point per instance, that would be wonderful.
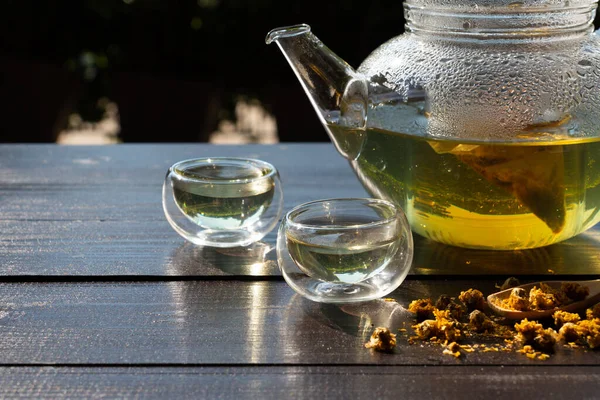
(482, 121)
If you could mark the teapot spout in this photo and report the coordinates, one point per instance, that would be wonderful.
(337, 92)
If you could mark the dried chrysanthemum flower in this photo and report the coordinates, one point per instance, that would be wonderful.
(448, 327)
(382, 339)
(444, 327)
(426, 329)
(545, 340)
(539, 299)
(518, 300)
(593, 312)
(452, 349)
(575, 291)
(443, 302)
(527, 330)
(422, 308)
(533, 333)
(479, 322)
(457, 310)
(568, 333)
(562, 317)
(589, 331)
(473, 299)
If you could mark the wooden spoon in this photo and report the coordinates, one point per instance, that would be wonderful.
(495, 300)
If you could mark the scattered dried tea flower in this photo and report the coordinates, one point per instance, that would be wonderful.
(539, 299)
(569, 333)
(575, 291)
(382, 340)
(473, 299)
(589, 332)
(527, 330)
(593, 312)
(443, 302)
(452, 349)
(532, 333)
(479, 322)
(426, 329)
(447, 324)
(545, 340)
(518, 300)
(562, 317)
(422, 308)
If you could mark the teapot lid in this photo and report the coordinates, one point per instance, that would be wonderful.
(505, 4)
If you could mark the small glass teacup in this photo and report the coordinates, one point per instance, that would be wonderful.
(222, 201)
(344, 250)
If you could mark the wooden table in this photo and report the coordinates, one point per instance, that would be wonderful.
(100, 297)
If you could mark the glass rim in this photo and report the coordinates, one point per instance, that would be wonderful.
(290, 222)
(272, 171)
(511, 6)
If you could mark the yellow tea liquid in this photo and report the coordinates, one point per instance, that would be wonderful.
(481, 194)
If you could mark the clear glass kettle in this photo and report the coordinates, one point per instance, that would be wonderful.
(482, 121)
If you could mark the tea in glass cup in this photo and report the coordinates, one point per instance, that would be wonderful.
(222, 202)
(344, 250)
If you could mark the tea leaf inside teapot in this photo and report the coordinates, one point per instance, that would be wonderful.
(533, 174)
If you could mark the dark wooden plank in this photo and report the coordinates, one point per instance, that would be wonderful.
(150, 247)
(219, 322)
(376, 382)
(127, 203)
(109, 248)
(96, 211)
(124, 182)
(31, 166)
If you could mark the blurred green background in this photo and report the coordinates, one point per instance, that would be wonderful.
(175, 68)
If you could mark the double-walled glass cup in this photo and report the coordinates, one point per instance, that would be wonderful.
(221, 201)
(344, 250)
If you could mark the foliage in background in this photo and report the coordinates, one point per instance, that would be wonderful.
(216, 41)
